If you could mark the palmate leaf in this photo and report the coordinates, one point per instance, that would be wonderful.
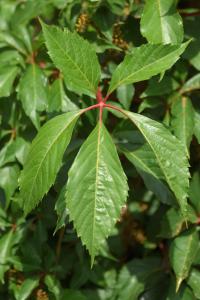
(160, 22)
(96, 190)
(182, 253)
(45, 158)
(169, 153)
(145, 62)
(75, 57)
(183, 121)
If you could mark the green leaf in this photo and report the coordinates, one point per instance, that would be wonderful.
(144, 62)
(97, 178)
(75, 57)
(171, 224)
(194, 282)
(6, 244)
(165, 146)
(194, 191)
(53, 286)
(160, 22)
(32, 92)
(182, 253)
(58, 100)
(197, 125)
(8, 180)
(135, 275)
(183, 121)
(45, 158)
(61, 210)
(160, 88)
(7, 77)
(125, 95)
(73, 295)
(144, 159)
(14, 42)
(27, 287)
(191, 85)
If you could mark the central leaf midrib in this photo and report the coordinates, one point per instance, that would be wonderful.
(96, 184)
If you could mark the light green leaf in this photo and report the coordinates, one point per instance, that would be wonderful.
(160, 22)
(7, 77)
(27, 287)
(194, 282)
(58, 100)
(165, 147)
(97, 178)
(182, 253)
(183, 121)
(32, 92)
(45, 158)
(191, 85)
(75, 57)
(145, 62)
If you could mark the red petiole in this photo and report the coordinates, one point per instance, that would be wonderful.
(101, 104)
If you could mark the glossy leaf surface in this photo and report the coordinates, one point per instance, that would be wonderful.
(96, 189)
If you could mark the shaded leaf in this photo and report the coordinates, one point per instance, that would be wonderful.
(182, 253)
(27, 287)
(7, 77)
(191, 85)
(58, 100)
(194, 191)
(32, 92)
(193, 281)
(183, 121)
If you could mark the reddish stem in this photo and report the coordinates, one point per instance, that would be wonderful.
(99, 95)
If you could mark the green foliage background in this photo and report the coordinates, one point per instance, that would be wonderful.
(152, 254)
